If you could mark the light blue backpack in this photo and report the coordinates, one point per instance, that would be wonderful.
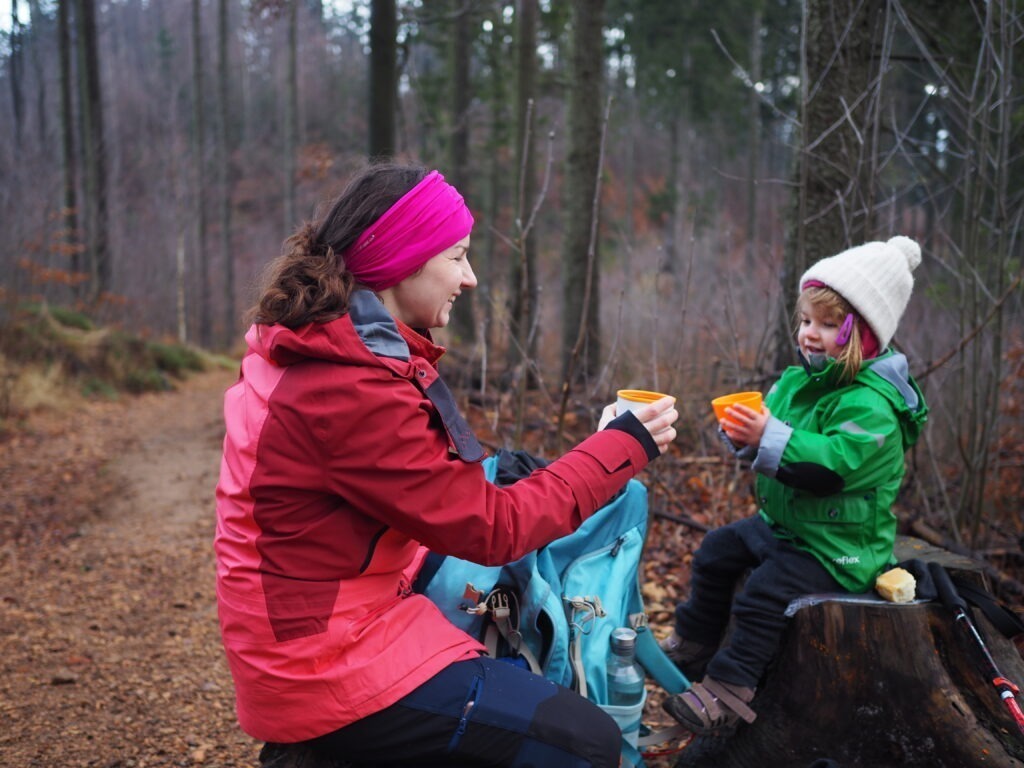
(554, 610)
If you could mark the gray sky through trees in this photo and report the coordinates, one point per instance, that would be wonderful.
(338, 6)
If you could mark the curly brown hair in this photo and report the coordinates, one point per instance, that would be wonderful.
(308, 282)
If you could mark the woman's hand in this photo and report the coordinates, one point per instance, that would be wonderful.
(657, 418)
(743, 425)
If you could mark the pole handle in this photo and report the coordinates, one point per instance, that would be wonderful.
(944, 586)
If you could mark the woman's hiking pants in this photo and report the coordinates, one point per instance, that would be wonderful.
(482, 712)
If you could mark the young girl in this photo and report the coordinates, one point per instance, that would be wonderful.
(828, 449)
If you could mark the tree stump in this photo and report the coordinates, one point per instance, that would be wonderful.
(878, 684)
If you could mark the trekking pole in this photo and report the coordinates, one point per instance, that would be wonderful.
(952, 600)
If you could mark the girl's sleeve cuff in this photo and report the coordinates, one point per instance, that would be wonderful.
(746, 452)
(773, 443)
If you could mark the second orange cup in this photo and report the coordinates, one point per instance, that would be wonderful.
(750, 399)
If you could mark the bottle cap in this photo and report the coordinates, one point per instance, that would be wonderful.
(623, 639)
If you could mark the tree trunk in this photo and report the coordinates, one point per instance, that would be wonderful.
(523, 284)
(37, 20)
(69, 203)
(878, 684)
(581, 335)
(668, 264)
(199, 180)
(497, 140)
(754, 142)
(840, 68)
(988, 216)
(630, 174)
(14, 63)
(180, 279)
(383, 78)
(94, 150)
(224, 148)
(833, 206)
(463, 323)
(291, 116)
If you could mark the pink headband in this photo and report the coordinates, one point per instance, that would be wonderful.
(426, 220)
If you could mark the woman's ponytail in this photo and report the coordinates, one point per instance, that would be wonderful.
(308, 282)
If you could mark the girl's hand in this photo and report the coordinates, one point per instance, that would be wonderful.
(743, 425)
(657, 418)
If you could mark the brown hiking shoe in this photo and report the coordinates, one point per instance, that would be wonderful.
(711, 706)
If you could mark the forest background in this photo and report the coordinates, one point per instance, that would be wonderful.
(649, 180)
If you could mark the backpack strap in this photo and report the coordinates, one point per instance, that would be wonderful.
(458, 429)
(499, 604)
(582, 611)
(658, 665)
(431, 565)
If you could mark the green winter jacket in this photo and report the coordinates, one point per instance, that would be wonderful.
(831, 461)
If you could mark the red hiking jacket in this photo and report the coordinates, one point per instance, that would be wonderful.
(337, 467)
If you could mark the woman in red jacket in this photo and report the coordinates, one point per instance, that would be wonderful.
(345, 459)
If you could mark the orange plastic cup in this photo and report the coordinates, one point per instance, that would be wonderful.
(631, 399)
(750, 399)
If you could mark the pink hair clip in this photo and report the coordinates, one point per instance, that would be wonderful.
(845, 330)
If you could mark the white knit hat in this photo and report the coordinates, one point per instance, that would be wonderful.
(875, 278)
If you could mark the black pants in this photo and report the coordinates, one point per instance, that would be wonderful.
(780, 572)
(482, 712)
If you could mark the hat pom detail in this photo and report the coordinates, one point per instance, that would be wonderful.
(909, 248)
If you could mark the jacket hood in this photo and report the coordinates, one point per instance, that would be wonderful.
(889, 375)
(368, 330)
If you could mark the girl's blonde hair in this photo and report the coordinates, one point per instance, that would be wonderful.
(835, 308)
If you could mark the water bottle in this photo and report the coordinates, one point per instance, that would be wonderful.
(625, 676)
(625, 682)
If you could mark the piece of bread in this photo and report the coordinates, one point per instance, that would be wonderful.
(896, 586)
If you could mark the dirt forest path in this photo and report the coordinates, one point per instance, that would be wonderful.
(109, 649)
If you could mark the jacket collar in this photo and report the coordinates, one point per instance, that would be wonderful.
(421, 343)
(387, 336)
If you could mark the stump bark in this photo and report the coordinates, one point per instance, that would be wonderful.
(880, 685)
